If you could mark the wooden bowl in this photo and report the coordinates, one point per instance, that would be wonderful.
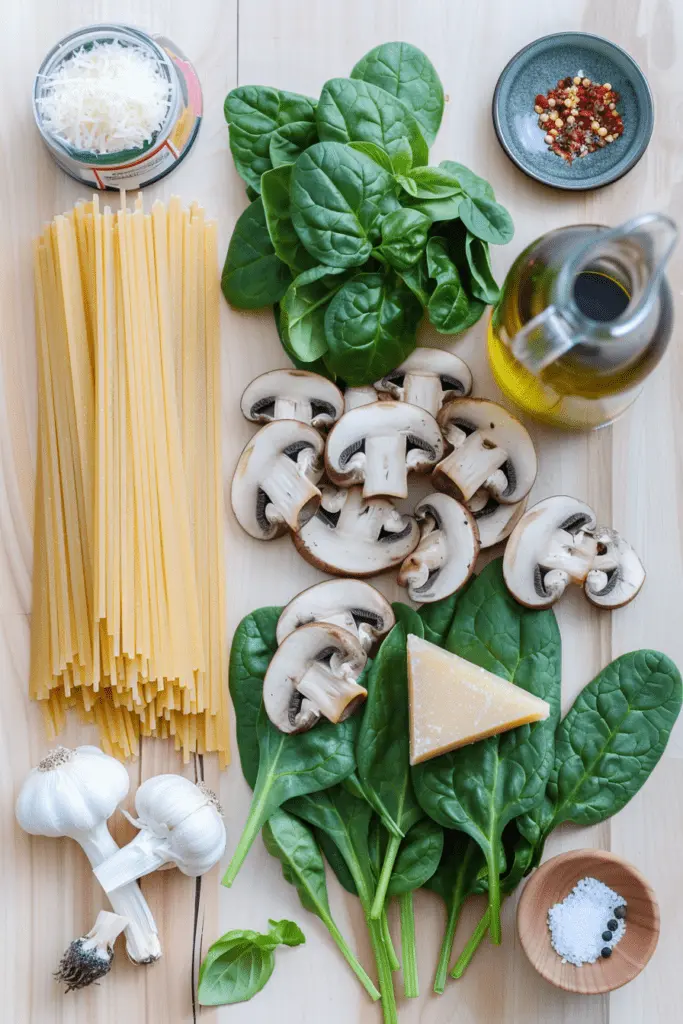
(551, 883)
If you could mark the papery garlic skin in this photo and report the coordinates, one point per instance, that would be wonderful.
(73, 793)
(180, 823)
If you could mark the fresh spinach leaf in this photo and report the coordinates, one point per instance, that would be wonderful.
(483, 284)
(253, 274)
(480, 788)
(417, 279)
(454, 881)
(430, 183)
(437, 618)
(253, 645)
(449, 304)
(470, 183)
(486, 220)
(407, 73)
(418, 857)
(608, 744)
(275, 194)
(254, 113)
(351, 110)
(408, 618)
(382, 751)
(404, 237)
(339, 197)
(303, 310)
(438, 209)
(375, 152)
(290, 141)
(294, 845)
(291, 765)
(401, 157)
(370, 327)
(240, 963)
(317, 366)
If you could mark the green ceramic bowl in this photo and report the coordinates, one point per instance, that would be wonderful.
(537, 68)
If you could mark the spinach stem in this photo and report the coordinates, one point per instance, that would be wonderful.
(447, 947)
(394, 961)
(384, 973)
(494, 894)
(385, 876)
(257, 817)
(473, 945)
(351, 960)
(411, 985)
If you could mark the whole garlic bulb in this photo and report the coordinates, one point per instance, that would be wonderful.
(180, 823)
(73, 793)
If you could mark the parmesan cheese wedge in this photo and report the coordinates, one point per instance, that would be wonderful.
(453, 702)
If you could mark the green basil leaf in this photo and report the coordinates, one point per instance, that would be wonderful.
(404, 237)
(375, 152)
(407, 73)
(290, 141)
(370, 326)
(431, 183)
(253, 275)
(418, 858)
(339, 197)
(285, 933)
(236, 973)
(438, 209)
(357, 111)
(275, 193)
(303, 310)
(486, 220)
(417, 279)
(482, 787)
(470, 182)
(483, 285)
(253, 645)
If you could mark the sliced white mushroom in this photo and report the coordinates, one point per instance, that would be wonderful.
(355, 397)
(552, 546)
(293, 395)
(314, 672)
(444, 559)
(495, 521)
(379, 444)
(428, 378)
(617, 574)
(352, 536)
(491, 451)
(274, 485)
(351, 604)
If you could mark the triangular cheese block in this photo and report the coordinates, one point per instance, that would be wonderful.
(453, 702)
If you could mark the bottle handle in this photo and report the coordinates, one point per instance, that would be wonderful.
(542, 340)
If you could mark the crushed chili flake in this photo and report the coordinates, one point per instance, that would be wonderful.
(578, 116)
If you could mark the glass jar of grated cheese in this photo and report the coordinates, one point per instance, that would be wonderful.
(117, 108)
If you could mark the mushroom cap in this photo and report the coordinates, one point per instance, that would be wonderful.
(447, 551)
(345, 454)
(351, 603)
(259, 400)
(249, 493)
(533, 572)
(495, 521)
(355, 536)
(617, 574)
(317, 642)
(453, 372)
(497, 428)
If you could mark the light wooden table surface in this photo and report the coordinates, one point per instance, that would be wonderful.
(632, 474)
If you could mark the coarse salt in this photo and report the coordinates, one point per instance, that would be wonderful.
(577, 923)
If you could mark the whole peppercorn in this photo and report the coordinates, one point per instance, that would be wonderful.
(612, 925)
(606, 936)
(605, 952)
(620, 912)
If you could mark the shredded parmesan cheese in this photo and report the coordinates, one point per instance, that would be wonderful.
(105, 98)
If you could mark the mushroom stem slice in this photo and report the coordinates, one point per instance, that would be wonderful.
(332, 689)
(470, 466)
(617, 574)
(445, 557)
(571, 554)
(385, 467)
(429, 556)
(293, 409)
(294, 499)
(423, 390)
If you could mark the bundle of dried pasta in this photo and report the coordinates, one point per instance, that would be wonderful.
(128, 598)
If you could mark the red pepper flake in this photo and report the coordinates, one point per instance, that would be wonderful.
(578, 116)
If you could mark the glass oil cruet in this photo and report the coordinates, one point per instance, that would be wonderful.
(584, 316)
